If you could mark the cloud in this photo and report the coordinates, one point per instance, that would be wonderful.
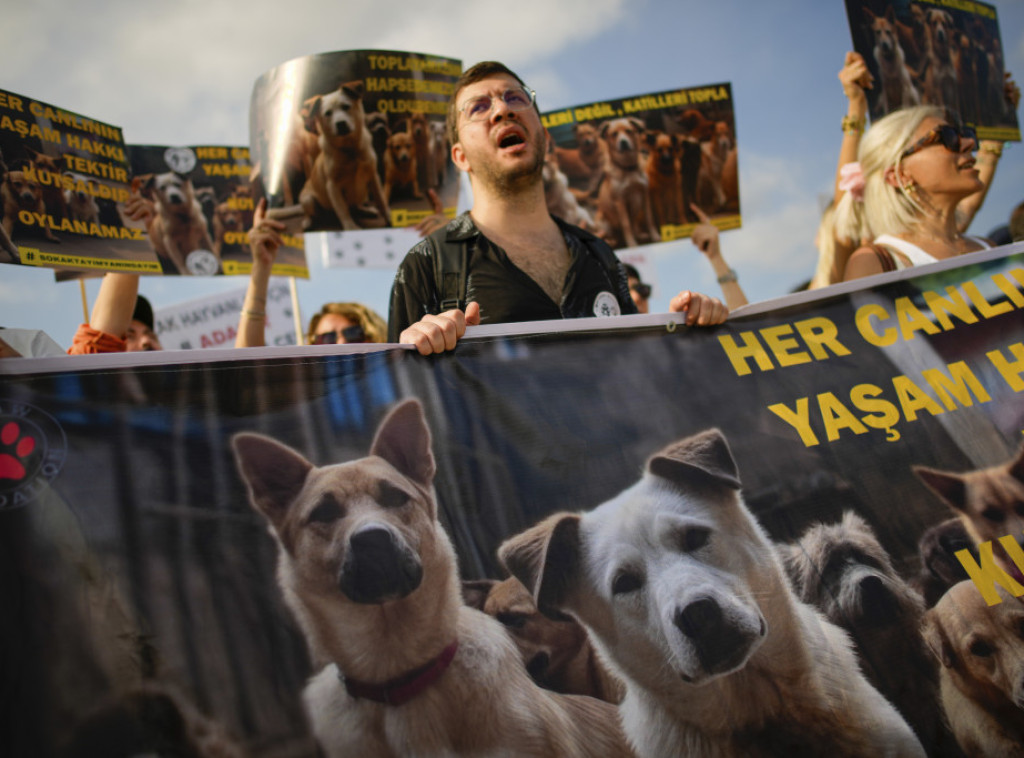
(182, 73)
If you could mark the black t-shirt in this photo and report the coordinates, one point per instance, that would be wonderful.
(505, 293)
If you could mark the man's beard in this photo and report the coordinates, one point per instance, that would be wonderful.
(512, 182)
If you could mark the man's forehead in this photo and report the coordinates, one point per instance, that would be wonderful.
(492, 84)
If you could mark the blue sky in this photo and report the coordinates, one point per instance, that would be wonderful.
(182, 73)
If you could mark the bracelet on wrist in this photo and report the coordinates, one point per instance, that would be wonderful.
(254, 315)
(852, 125)
(728, 276)
(995, 149)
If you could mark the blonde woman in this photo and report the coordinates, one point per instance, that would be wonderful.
(918, 165)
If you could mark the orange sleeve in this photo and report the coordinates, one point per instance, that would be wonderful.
(88, 341)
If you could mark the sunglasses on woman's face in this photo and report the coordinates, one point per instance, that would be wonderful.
(348, 335)
(949, 136)
(643, 290)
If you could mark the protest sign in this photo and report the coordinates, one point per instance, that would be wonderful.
(354, 140)
(935, 52)
(201, 210)
(630, 169)
(64, 188)
(212, 321)
(160, 575)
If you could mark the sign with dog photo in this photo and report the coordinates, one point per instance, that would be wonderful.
(795, 533)
(631, 170)
(935, 52)
(199, 209)
(64, 187)
(354, 140)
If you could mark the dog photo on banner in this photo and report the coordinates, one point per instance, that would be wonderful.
(64, 183)
(923, 52)
(795, 533)
(200, 209)
(354, 140)
(647, 168)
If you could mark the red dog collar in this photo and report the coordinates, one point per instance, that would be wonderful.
(404, 688)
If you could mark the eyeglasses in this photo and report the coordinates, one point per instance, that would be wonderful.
(515, 98)
(643, 290)
(948, 135)
(349, 335)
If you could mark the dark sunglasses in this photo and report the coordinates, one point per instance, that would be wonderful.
(643, 290)
(350, 334)
(947, 135)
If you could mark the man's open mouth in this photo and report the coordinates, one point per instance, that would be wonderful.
(510, 140)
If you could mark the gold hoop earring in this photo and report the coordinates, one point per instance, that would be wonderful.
(910, 187)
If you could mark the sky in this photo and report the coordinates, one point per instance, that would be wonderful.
(182, 74)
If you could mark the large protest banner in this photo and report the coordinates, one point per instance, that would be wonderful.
(65, 188)
(631, 169)
(129, 550)
(201, 209)
(935, 52)
(354, 139)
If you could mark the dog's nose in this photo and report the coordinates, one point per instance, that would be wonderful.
(878, 603)
(720, 644)
(379, 567)
(698, 616)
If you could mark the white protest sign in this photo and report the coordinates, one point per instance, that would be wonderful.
(212, 321)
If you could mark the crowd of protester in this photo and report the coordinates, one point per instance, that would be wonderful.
(905, 192)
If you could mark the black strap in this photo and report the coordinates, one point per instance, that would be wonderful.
(885, 257)
(451, 270)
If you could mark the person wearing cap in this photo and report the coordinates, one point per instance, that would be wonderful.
(121, 320)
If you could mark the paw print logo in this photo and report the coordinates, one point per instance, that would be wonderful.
(32, 452)
(15, 448)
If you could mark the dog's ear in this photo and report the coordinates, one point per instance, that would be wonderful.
(950, 487)
(603, 131)
(355, 89)
(869, 15)
(309, 112)
(637, 124)
(475, 592)
(937, 641)
(545, 559)
(146, 185)
(273, 472)
(403, 440)
(890, 15)
(794, 562)
(701, 458)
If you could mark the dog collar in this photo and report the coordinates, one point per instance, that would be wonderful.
(404, 688)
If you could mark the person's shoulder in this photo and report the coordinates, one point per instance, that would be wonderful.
(457, 230)
(867, 260)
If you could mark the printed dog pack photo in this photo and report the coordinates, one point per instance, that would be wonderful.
(198, 208)
(369, 555)
(925, 52)
(64, 182)
(632, 170)
(354, 140)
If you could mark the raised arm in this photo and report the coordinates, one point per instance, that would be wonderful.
(264, 242)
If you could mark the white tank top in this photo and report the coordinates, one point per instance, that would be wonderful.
(916, 255)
